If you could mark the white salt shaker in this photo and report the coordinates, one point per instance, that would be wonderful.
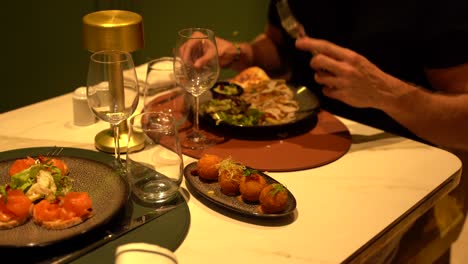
(82, 114)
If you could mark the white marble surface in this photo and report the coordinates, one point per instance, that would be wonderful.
(340, 206)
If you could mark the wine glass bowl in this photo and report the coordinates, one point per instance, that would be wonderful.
(162, 94)
(112, 89)
(196, 69)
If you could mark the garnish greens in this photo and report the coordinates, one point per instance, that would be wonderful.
(26, 179)
(230, 167)
(277, 188)
(249, 171)
(234, 111)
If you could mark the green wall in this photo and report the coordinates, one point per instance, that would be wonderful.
(42, 41)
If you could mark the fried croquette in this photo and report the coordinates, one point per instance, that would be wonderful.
(273, 198)
(230, 173)
(251, 185)
(207, 167)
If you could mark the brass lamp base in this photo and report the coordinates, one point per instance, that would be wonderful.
(104, 141)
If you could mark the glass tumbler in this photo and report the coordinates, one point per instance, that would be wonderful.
(155, 172)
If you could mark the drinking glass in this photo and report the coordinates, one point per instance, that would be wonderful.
(162, 94)
(196, 69)
(155, 172)
(112, 89)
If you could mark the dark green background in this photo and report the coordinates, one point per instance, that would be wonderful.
(42, 47)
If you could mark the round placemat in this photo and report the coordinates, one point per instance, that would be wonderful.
(326, 142)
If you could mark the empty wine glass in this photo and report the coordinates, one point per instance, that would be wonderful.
(112, 89)
(196, 69)
(162, 94)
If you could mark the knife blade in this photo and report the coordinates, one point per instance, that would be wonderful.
(112, 235)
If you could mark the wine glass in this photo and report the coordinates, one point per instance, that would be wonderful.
(112, 89)
(162, 94)
(196, 69)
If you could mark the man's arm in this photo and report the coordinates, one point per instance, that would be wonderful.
(262, 52)
(441, 117)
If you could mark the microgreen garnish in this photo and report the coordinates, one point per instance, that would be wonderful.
(230, 167)
(3, 193)
(249, 171)
(277, 188)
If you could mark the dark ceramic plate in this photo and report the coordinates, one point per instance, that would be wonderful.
(306, 119)
(212, 192)
(92, 172)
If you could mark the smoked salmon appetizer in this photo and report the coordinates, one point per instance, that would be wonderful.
(40, 188)
(15, 209)
(20, 165)
(41, 178)
(60, 164)
(67, 211)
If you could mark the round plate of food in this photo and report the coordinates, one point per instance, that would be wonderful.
(267, 109)
(89, 172)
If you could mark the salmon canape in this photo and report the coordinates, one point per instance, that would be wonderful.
(20, 165)
(60, 164)
(14, 209)
(67, 211)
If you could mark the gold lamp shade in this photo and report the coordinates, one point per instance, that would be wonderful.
(113, 30)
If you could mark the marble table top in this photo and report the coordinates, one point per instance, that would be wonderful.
(345, 210)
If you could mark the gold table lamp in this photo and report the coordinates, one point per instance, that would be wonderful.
(114, 30)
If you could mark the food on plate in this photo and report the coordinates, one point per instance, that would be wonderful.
(41, 188)
(41, 180)
(14, 208)
(264, 101)
(273, 198)
(230, 173)
(20, 165)
(67, 211)
(251, 184)
(234, 111)
(250, 77)
(242, 183)
(60, 164)
(274, 99)
(207, 167)
(222, 90)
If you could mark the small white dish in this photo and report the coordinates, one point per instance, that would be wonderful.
(144, 253)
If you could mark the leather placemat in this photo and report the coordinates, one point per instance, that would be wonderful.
(326, 142)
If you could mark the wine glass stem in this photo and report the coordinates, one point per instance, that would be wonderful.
(197, 110)
(116, 142)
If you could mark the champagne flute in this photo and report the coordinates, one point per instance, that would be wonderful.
(196, 69)
(112, 89)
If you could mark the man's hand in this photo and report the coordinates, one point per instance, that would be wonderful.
(348, 76)
(198, 51)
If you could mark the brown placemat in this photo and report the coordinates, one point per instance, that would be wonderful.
(326, 142)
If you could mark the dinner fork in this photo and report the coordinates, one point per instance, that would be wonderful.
(289, 21)
(55, 151)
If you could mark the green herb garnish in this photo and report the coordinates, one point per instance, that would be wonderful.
(277, 188)
(249, 171)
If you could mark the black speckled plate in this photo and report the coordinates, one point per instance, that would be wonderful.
(212, 192)
(306, 119)
(92, 172)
